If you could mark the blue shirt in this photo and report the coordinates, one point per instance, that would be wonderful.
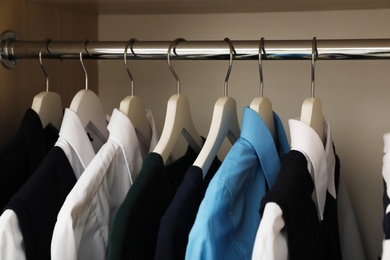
(228, 217)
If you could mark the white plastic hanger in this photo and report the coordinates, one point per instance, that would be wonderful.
(87, 105)
(178, 119)
(261, 104)
(224, 123)
(311, 112)
(48, 104)
(133, 107)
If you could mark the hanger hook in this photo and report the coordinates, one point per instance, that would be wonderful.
(232, 53)
(129, 43)
(314, 55)
(44, 44)
(84, 47)
(261, 52)
(173, 45)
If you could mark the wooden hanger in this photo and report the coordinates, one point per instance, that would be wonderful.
(87, 105)
(178, 119)
(48, 104)
(133, 107)
(224, 123)
(311, 112)
(261, 104)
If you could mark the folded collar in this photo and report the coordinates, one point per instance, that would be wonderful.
(321, 159)
(73, 132)
(256, 132)
(122, 132)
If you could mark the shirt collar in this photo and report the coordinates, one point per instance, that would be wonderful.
(123, 133)
(321, 159)
(255, 131)
(386, 139)
(73, 132)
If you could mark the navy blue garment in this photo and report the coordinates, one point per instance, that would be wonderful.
(308, 238)
(23, 153)
(386, 219)
(40, 199)
(180, 216)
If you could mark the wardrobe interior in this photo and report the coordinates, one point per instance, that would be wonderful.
(355, 93)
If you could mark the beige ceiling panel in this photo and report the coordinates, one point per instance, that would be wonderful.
(211, 6)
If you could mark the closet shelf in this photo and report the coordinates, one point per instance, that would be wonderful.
(13, 50)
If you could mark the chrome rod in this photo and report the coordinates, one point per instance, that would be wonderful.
(13, 50)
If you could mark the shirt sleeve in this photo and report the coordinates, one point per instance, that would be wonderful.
(11, 238)
(386, 249)
(207, 238)
(271, 238)
(63, 243)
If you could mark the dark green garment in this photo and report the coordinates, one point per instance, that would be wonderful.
(135, 228)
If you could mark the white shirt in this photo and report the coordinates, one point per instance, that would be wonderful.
(271, 238)
(84, 221)
(79, 151)
(386, 178)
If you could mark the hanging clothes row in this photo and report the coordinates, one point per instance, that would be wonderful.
(28, 221)
(109, 190)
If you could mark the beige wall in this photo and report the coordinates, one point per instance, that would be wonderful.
(355, 94)
(19, 86)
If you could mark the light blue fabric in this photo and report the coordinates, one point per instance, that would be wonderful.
(228, 217)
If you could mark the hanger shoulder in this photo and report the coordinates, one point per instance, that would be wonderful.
(225, 120)
(263, 107)
(87, 105)
(224, 123)
(311, 114)
(48, 106)
(178, 118)
(133, 107)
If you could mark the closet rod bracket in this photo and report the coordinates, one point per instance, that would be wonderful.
(7, 57)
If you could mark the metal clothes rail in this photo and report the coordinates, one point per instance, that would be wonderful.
(12, 50)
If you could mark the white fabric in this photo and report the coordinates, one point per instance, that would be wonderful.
(271, 238)
(83, 223)
(386, 249)
(386, 178)
(11, 239)
(386, 162)
(74, 141)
